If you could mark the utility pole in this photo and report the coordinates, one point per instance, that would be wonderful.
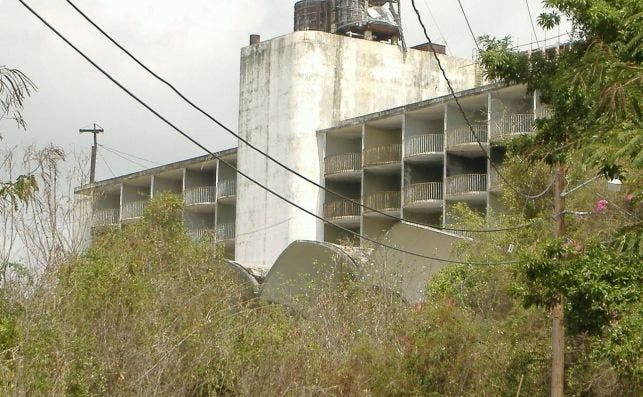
(558, 314)
(95, 131)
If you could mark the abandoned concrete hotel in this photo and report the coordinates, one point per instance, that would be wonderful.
(343, 103)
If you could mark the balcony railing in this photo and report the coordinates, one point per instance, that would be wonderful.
(382, 155)
(429, 191)
(514, 124)
(200, 195)
(543, 112)
(466, 135)
(468, 183)
(342, 163)
(384, 201)
(108, 217)
(227, 188)
(225, 231)
(201, 234)
(341, 209)
(424, 144)
(133, 210)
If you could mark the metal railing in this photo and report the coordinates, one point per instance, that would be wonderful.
(381, 155)
(464, 135)
(467, 183)
(201, 234)
(133, 210)
(341, 209)
(424, 144)
(427, 191)
(495, 182)
(108, 217)
(225, 231)
(543, 112)
(391, 200)
(200, 195)
(514, 124)
(227, 188)
(342, 163)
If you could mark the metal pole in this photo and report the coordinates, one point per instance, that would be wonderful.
(558, 314)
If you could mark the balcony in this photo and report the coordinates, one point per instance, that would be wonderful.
(511, 126)
(424, 196)
(383, 159)
(227, 191)
(133, 210)
(495, 182)
(387, 202)
(225, 233)
(424, 148)
(468, 187)
(343, 167)
(200, 198)
(106, 218)
(343, 213)
(464, 140)
(201, 234)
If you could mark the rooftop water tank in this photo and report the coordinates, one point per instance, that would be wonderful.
(313, 15)
(378, 17)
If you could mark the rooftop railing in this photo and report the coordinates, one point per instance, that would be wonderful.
(342, 163)
(515, 124)
(133, 210)
(200, 195)
(227, 188)
(467, 183)
(106, 217)
(384, 201)
(341, 209)
(465, 135)
(424, 144)
(225, 232)
(381, 155)
(428, 191)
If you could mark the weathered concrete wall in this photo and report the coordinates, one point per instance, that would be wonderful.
(295, 85)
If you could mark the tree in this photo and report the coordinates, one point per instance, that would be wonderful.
(15, 87)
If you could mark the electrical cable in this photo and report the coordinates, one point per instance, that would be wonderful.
(107, 165)
(466, 119)
(531, 20)
(466, 18)
(435, 22)
(128, 154)
(268, 156)
(136, 163)
(249, 178)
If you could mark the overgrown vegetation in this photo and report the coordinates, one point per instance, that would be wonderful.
(147, 311)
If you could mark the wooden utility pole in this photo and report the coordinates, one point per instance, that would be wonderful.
(95, 131)
(558, 314)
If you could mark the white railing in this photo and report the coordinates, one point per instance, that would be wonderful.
(133, 210)
(201, 234)
(424, 144)
(225, 231)
(515, 124)
(227, 188)
(466, 135)
(108, 217)
(495, 182)
(380, 201)
(200, 195)
(341, 209)
(381, 155)
(468, 183)
(543, 112)
(342, 163)
(427, 191)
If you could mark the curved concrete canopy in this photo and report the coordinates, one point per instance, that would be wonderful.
(304, 270)
(244, 278)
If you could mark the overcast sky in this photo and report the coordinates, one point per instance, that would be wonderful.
(193, 43)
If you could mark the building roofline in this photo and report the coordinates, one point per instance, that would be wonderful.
(413, 106)
(151, 171)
